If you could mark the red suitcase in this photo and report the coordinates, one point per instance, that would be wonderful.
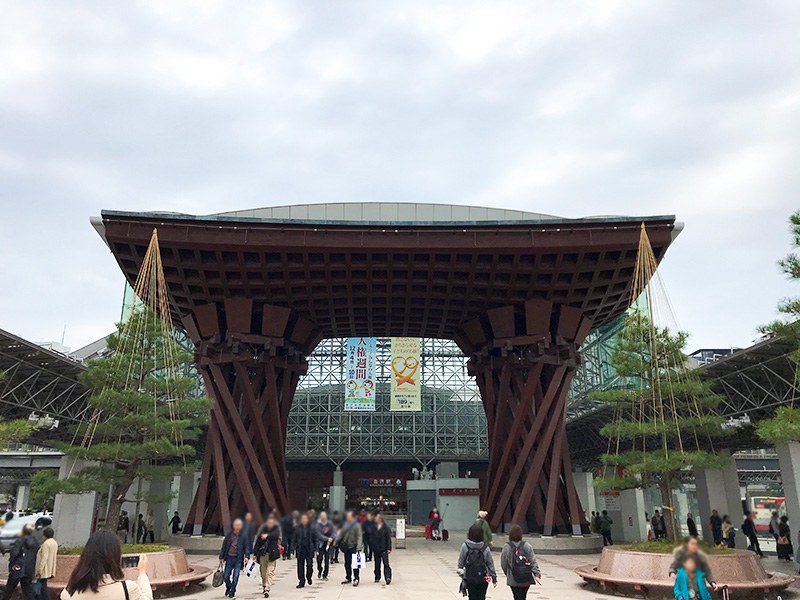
(428, 532)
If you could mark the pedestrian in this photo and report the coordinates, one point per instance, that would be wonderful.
(175, 522)
(487, 529)
(382, 548)
(690, 582)
(149, 525)
(267, 551)
(592, 525)
(232, 556)
(98, 574)
(362, 516)
(597, 521)
(288, 523)
(691, 525)
(691, 549)
(436, 523)
(123, 525)
(304, 543)
(46, 562)
(784, 541)
(749, 530)
(774, 524)
(141, 530)
(22, 563)
(324, 539)
(715, 523)
(337, 525)
(249, 528)
(351, 541)
(475, 564)
(519, 563)
(728, 532)
(367, 528)
(656, 524)
(604, 525)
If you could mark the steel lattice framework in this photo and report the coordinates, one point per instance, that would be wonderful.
(451, 425)
(39, 381)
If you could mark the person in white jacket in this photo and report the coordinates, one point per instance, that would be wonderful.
(98, 574)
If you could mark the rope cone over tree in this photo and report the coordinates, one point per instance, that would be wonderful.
(664, 422)
(145, 417)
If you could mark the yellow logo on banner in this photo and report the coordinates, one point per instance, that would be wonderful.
(406, 386)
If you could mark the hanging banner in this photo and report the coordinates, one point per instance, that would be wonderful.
(406, 387)
(360, 374)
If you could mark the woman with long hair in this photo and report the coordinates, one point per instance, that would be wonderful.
(98, 574)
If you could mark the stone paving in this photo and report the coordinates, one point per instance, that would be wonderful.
(426, 570)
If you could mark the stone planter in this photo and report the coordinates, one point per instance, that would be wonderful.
(645, 572)
(168, 570)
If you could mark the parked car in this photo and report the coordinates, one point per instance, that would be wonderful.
(13, 528)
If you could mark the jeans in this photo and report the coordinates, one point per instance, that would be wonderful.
(520, 592)
(233, 566)
(607, 538)
(305, 568)
(350, 572)
(24, 583)
(477, 591)
(323, 555)
(382, 558)
(44, 593)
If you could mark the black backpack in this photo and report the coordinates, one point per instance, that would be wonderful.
(475, 564)
(521, 565)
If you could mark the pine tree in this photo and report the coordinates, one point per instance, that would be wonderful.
(145, 417)
(785, 427)
(664, 421)
(16, 430)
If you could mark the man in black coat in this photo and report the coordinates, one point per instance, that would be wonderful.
(305, 537)
(749, 529)
(381, 542)
(367, 529)
(22, 564)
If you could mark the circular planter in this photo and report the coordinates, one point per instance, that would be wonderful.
(624, 571)
(167, 569)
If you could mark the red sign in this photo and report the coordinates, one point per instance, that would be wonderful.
(459, 492)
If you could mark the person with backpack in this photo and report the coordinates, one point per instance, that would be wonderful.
(518, 562)
(22, 564)
(267, 551)
(475, 564)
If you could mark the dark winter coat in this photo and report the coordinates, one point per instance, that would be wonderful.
(23, 555)
(242, 547)
(381, 539)
(304, 540)
(269, 547)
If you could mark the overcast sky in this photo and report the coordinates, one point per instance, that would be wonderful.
(574, 109)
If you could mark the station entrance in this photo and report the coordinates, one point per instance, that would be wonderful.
(518, 296)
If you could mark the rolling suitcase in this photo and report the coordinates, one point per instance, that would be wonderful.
(445, 535)
(428, 532)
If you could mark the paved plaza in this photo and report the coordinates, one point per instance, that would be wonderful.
(426, 570)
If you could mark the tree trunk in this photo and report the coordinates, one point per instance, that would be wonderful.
(667, 508)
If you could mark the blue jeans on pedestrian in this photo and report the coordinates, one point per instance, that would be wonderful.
(233, 566)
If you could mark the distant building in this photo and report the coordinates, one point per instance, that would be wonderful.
(703, 356)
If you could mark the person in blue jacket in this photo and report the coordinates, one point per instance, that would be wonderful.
(690, 584)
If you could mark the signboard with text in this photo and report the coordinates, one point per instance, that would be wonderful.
(406, 374)
(360, 374)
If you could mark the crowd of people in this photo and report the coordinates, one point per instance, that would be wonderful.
(313, 540)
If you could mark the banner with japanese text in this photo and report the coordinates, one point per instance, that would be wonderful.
(405, 365)
(360, 374)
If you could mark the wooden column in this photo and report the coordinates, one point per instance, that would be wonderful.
(524, 358)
